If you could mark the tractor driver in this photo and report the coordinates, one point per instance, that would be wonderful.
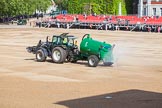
(65, 41)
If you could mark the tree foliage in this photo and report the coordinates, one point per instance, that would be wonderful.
(92, 6)
(22, 7)
(27, 7)
(129, 6)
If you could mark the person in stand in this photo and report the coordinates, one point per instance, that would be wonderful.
(77, 18)
(12, 21)
(58, 25)
(105, 26)
(116, 28)
(85, 16)
(74, 19)
(67, 25)
(39, 24)
(149, 29)
(159, 29)
(90, 26)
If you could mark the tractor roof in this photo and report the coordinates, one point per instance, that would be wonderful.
(65, 35)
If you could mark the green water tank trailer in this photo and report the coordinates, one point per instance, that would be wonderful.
(96, 50)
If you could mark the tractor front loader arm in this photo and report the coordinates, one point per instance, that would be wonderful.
(32, 49)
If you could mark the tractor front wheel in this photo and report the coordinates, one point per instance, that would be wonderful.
(58, 55)
(93, 61)
(40, 56)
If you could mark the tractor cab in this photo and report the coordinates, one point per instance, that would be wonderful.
(64, 39)
(63, 48)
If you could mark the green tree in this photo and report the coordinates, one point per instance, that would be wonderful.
(22, 7)
(95, 6)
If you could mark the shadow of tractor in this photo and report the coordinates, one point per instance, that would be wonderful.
(122, 99)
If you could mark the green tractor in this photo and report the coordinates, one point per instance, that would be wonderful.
(22, 22)
(63, 48)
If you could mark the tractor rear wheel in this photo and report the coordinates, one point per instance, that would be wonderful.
(58, 55)
(40, 56)
(93, 61)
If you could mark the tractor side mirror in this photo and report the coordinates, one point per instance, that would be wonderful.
(39, 43)
(48, 39)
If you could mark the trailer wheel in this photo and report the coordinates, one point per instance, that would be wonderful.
(58, 55)
(93, 61)
(40, 56)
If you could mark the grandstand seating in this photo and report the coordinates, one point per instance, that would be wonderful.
(113, 19)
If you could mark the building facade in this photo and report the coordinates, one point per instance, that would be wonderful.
(150, 8)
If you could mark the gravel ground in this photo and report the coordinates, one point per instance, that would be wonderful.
(134, 81)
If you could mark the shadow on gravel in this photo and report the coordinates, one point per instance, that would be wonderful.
(33, 59)
(84, 63)
(79, 63)
(122, 99)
